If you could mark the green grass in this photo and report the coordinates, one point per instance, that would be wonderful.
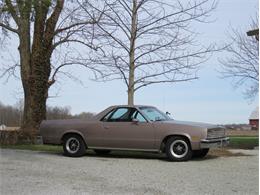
(46, 148)
(243, 142)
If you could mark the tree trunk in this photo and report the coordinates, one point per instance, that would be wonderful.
(36, 65)
(35, 72)
(131, 84)
(35, 97)
(130, 96)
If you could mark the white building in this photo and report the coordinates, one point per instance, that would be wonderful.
(2, 127)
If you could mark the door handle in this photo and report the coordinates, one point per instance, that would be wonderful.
(106, 127)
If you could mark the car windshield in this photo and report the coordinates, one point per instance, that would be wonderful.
(153, 114)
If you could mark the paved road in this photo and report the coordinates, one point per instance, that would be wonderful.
(28, 172)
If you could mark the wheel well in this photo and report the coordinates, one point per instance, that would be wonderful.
(162, 148)
(70, 134)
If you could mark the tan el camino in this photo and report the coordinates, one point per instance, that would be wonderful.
(140, 128)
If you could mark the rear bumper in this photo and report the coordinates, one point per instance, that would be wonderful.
(214, 143)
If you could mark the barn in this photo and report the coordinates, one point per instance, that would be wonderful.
(254, 119)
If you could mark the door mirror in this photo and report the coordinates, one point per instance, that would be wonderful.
(168, 113)
(135, 120)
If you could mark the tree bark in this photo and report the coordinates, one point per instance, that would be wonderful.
(130, 96)
(35, 85)
(34, 111)
(131, 82)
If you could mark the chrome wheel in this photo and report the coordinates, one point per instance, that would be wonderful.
(72, 145)
(179, 148)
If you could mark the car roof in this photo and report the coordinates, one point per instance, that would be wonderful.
(133, 106)
(104, 112)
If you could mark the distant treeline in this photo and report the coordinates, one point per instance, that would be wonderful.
(12, 115)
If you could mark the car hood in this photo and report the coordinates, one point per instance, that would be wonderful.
(194, 124)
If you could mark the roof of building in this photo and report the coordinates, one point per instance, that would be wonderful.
(255, 114)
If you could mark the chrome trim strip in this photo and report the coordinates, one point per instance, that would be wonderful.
(213, 143)
(129, 149)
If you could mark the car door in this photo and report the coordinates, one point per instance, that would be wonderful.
(126, 128)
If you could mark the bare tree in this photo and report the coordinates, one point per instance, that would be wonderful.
(58, 113)
(150, 41)
(242, 63)
(10, 115)
(43, 28)
(84, 115)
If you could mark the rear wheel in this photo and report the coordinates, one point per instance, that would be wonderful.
(74, 146)
(102, 152)
(200, 153)
(178, 149)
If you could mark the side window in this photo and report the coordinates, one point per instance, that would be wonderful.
(105, 118)
(137, 115)
(120, 114)
(140, 117)
(124, 115)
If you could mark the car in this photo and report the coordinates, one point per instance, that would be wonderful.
(135, 128)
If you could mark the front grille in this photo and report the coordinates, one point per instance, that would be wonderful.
(216, 133)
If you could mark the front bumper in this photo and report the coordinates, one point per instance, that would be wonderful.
(214, 143)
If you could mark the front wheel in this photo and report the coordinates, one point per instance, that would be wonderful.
(178, 149)
(74, 146)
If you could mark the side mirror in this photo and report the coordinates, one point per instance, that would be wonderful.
(135, 121)
(168, 113)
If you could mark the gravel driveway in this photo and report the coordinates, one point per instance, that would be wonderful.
(29, 172)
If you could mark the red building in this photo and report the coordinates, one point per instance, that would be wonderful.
(254, 119)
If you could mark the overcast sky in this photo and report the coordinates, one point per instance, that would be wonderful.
(208, 99)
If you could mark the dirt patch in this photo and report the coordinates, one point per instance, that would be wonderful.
(242, 132)
(219, 152)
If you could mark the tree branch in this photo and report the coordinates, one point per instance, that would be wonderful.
(7, 27)
(146, 83)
